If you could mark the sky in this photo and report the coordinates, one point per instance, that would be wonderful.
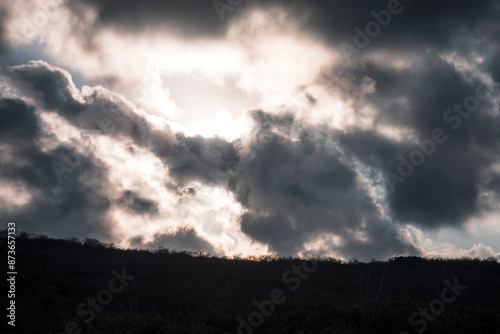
(347, 129)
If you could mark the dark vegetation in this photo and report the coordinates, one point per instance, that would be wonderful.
(180, 292)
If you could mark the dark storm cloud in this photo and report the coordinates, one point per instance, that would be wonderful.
(429, 94)
(445, 190)
(417, 25)
(110, 114)
(369, 147)
(68, 208)
(197, 18)
(295, 191)
(101, 110)
(67, 185)
(3, 37)
(18, 120)
(107, 113)
(199, 158)
(138, 204)
(183, 239)
(69, 199)
(51, 84)
(493, 63)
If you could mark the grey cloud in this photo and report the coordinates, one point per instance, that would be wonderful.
(420, 24)
(77, 194)
(51, 84)
(371, 148)
(183, 239)
(199, 158)
(493, 64)
(446, 189)
(102, 110)
(67, 184)
(295, 191)
(443, 191)
(18, 120)
(3, 38)
(428, 93)
(66, 207)
(195, 19)
(138, 204)
(274, 229)
(110, 114)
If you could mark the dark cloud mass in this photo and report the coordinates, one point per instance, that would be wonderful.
(3, 41)
(298, 190)
(55, 88)
(138, 204)
(72, 207)
(304, 186)
(438, 193)
(417, 24)
(186, 17)
(199, 158)
(78, 198)
(18, 120)
(184, 238)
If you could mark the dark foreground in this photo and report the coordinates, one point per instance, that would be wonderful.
(70, 286)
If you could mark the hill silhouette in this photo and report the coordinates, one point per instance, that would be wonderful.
(85, 286)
